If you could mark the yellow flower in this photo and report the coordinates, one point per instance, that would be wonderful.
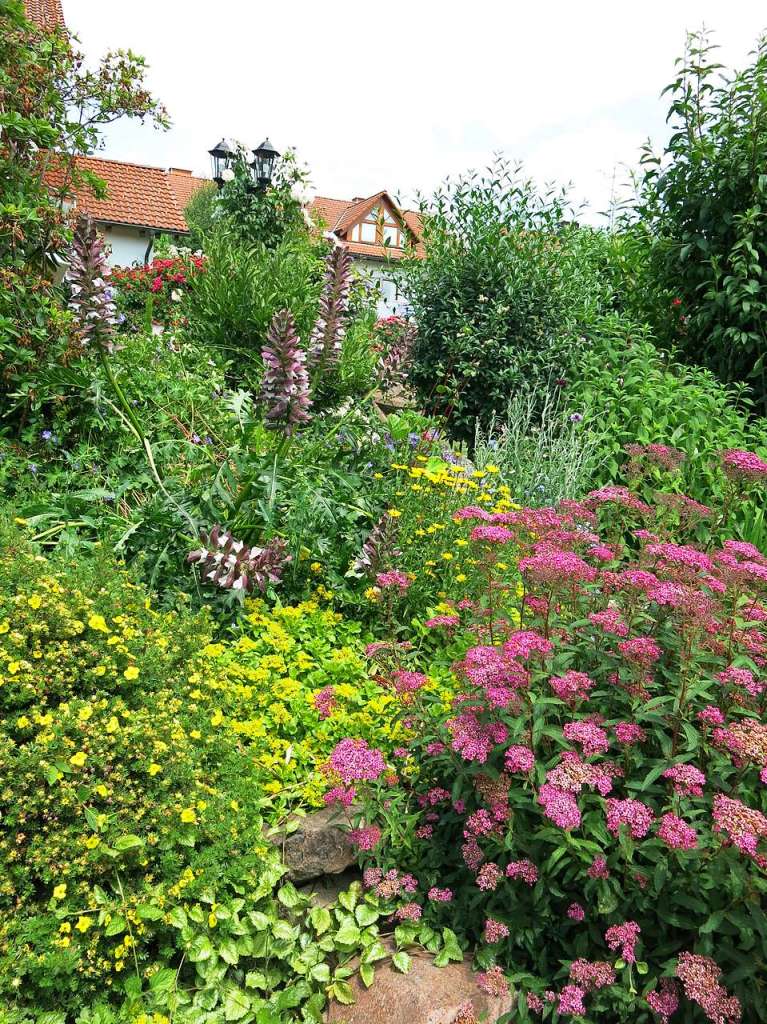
(131, 672)
(23, 722)
(100, 670)
(394, 513)
(66, 927)
(112, 725)
(212, 920)
(98, 622)
(60, 891)
(316, 567)
(447, 555)
(83, 924)
(154, 768)
(78, 759)
(273, 787)
(84, 714)
(102, 790)
(461, 577)
(195, 734)
(92, 842)
(188, 816)
(4, 626)
(217, 717)
(35, 601)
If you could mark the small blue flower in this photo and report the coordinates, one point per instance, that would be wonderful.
(196, 439)
(46, 435)
(576, 417)
(414, 440)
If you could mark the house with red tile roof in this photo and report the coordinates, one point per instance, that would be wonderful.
(46, 14)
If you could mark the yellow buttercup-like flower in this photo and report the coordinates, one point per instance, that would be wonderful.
(188, 816)
(154, 768)
(60, 891)
(84, 923)
(98, 622)
(78, 759)
(92, 842)
(34, 601)
(112, 725)
(131, 672)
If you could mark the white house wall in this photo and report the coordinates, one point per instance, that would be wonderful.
(128, 245)
(384, 278)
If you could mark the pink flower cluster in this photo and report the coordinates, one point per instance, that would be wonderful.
(700, 977)
(676, 833)
(688, 780)
(740, 465)
(592, 974)
(633, 813)
(325, 701)
(591, 737)
(495, 931)
(519, 759)
(474, 739)
(559, 806)
(664, 1000)
(572, 686)
(624, 937)
(365, 838)
(437, 895)
(524, 869)
(355, 760)
(642, 650)
(743, 825)
(394, 578)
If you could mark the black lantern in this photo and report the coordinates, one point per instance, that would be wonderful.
(264, 159)
(221, 157)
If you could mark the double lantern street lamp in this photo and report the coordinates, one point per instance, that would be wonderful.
(223, 158)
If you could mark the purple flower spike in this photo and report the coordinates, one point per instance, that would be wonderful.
(285, 387)
(91, 298)
(232, 565)
(329, 330)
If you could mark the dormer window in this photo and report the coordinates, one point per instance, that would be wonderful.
(378, 227)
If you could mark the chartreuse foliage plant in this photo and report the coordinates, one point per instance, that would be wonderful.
(142, 764)
(589, 812)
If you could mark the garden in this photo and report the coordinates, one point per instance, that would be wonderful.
(513, 635)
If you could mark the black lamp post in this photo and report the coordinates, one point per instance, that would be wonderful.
(221, 158)
(262, 167)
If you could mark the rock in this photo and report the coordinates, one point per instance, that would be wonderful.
(317, 847)
(425, 995)
(326, 890)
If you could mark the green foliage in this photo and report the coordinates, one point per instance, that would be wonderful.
(231, 305)
(630, 393)
(265, 216)
(702, 212)
(49, 102)
(499, 297)
(199, 214)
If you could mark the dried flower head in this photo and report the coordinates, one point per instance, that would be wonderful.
(232, 565)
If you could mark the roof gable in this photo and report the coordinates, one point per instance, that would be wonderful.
(342, 214)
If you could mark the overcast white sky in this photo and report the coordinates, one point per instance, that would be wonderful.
(399, 94)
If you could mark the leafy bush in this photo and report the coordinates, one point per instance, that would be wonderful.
(628, 393)
(498, 299)
(702, 210)
(199, 214)
(590, 810)
(231, 305)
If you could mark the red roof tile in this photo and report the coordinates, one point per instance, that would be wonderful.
(46, 14)
(341, 214)
(136, 195)
(184, 184)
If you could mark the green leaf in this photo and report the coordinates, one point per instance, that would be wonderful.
(256, 979)
(178, 918)
(377, 951)
(348, 934)
(163, 981)
(228, 951)
(200, 948)
(116, 925)
(289, 896)
(348, 899)
(259, 920)
(283, 931)
(150, 912)
(451, 946)
(123, 843)
(236, 1004)
(93, 819)
(342, 992)
(367, 974)
(321, 973)
(402, 961)
(321, 919)
(366, 915)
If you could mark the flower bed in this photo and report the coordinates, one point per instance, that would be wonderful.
(591, 809)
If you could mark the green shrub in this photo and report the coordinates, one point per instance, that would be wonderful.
(499, 296)
(702, 212)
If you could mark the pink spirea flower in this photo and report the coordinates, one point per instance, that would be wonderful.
(424, 832)
(741, 677)
(711, 715)
(591, 737)
(624, 937)
(519, 759)
(633, 813)
(559, 806)
(473, 739)
(365, 838)
(472, 512)
(598, 868)
(743, 825)
(571, 1000)
(395, 578)
(642, 650)
(526, 643)
(324, 701)
(524, 869)
(340, 795)
(572, 686)
(493, 982)
(609, 620)
(629, 732)
(700, 977)
(740, 465)
(446, 621)
(664, 1000)
(408, 682)
(472, 855)
(676, 833)
(409, 912)
(592, 974)
(437, 895)
(681, 555)
(371, 877)
(576, 912)
(618, 495)
(688, 780)
(480, 823)
(355, 760)
(495, 931)
(488, 877)
(555, 567)
(534, 1002)
(491, 534)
